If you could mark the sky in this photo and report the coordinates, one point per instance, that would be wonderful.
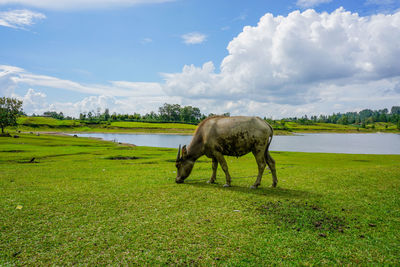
(257, 57)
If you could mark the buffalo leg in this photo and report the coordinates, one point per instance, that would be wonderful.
(271, 165)
(221, 160)
(214, 173)
(260, 158)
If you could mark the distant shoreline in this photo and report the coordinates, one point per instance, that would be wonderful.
(50, 125)
(277, 133)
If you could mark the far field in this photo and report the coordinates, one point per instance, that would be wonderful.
(43, 124)
(88, 202)
(50, 124)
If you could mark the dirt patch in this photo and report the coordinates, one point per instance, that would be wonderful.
(197, 161)
(361, 160)
(125, 148)
(32, 160)
(13, 151)
(302, 216)
(54, 133)
(141, 163)
(127, 144)
(122, 157)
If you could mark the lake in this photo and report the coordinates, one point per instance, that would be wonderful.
(374, 143)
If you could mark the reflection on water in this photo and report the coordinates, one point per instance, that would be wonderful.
(374, 143)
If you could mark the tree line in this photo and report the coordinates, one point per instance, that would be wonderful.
(166, 113)
(11, 108)
(362, 118)
(193, 115)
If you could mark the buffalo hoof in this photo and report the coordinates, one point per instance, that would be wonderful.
(210, 182)
(226, 185)
(254, 186)
(274, 185)
(179, 182)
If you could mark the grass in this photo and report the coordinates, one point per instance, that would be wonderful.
(45, 121)
(90, 202)
(337, 128)
(44, 124)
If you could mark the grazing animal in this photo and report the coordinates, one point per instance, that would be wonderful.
(231, 136)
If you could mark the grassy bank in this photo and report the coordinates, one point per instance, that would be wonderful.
(90, 202)
(42, 124)
(337, 128)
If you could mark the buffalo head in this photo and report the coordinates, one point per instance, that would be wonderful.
(183, 164)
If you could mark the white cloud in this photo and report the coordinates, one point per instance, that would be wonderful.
(146, 40)
(192, 81)
(118, 96)
(35, 102)
(296, 59)
(11, 77)
(91, 103)
(311, 3)
(303, 63)
(19, 19)
(7, 85)
(79, 4)
(194, 38)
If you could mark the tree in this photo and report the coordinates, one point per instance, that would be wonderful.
(10, 109)
(90, 115)
(82, 116)
(170, 112)
(190, 114)
(53, 114)
(106, 114)
(395, 110)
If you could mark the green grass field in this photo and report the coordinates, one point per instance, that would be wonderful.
(90, 202)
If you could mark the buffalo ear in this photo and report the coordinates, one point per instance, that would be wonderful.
(184, 151)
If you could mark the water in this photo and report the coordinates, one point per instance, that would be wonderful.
(374, 143)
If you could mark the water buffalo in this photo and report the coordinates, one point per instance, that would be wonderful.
(231, 136)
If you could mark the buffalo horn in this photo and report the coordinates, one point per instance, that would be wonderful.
(179, 152)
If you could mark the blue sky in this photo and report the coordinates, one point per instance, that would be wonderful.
(130, 55)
